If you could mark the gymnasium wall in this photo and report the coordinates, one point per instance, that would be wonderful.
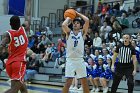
(50, 6)
(2, 6)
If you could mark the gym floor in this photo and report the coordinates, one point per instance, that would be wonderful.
(37, 88)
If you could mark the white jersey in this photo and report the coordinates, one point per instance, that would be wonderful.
(75, 45)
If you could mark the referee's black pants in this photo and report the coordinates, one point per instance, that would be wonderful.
(121, 70)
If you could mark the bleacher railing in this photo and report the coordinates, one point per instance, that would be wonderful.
(60, 16)
(44, 22)
(36, 25)
(52, 20)
(137, 2)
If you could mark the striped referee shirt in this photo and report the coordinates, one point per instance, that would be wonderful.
(125, 53)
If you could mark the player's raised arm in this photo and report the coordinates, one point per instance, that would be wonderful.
(69, 15)
(65, 24)
(86, 24)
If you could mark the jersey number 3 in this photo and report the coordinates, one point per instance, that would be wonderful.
(19, 40)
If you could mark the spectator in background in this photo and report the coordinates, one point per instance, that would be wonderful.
(93, 26)
(95, 23)
(122, 9)
(88, 41)
(138, 44)
(104, 10)
(63, 38)
(129, 11)
(137, 49)
(35, 48)
(107, 18)
(60, 44)
(104, 45)
(109, 9)
(44, 40)
(90, 33)
(116, 9)
(112, 20)
(43, 43)
(26, 25)
(89, 66)
(110, 48)
(48, 52)
(88, 14)
(95, 56)
(99, 6)
(49, 33)
(116, 32)
(97, 41)
(106, 75)
(135, 10)
(117, 28)
(124, 21)
(87, 53)
(31, 41)
(138, 41)
(60, 61)
(105, 55)
(32, 67)
(54, 52)
(98, 69)
(105, 29)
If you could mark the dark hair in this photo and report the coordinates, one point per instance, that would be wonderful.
(78, 20)
(15, 22)
(62, 52)
(111, 62)
(127, 34)
(23, 25)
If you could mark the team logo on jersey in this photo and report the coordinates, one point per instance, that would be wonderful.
(73, 37)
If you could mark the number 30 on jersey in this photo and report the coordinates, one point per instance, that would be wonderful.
(19, 40)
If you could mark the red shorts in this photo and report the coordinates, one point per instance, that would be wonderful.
(16, 70)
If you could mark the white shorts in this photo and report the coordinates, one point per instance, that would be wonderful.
(75, 68)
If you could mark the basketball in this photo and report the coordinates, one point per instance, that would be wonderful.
(70, 13)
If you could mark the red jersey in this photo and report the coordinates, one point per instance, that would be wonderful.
(17, 47)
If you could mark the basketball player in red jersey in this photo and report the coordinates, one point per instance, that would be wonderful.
(17, 42)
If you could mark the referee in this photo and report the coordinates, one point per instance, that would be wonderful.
(126, 65)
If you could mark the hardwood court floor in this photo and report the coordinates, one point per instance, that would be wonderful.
(33, 88)
(36, 88)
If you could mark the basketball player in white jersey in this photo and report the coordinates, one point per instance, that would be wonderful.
(75, 51)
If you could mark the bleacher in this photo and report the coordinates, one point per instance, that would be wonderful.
(55, 76)
(46, 73)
